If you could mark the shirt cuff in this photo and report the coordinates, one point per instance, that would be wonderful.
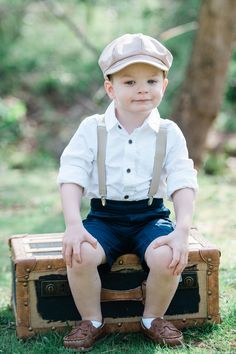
(73, 174)
(176, 182)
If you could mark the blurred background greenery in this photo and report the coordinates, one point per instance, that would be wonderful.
(50, 80)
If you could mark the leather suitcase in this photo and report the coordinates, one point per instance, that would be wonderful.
(42, 300)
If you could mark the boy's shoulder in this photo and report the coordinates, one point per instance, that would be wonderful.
(89, 124)
(174, 133)
(168, 124)
(91, 120)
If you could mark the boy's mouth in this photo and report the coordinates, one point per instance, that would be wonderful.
(142, 100)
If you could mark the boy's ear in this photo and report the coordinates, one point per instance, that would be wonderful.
(109, 88)
(164, 86)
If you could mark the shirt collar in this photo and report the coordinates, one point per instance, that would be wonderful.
(153, 120)
(110, 116)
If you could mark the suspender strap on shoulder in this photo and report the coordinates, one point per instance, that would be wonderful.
(160, 151)
(101, 157)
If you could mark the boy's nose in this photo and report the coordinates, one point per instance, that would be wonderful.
(143, 89)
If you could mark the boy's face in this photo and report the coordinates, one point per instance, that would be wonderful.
(138, 88)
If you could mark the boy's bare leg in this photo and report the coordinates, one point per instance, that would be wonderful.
(85, 283)
(161, 286)
(161, 283)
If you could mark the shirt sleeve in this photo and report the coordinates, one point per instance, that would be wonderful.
(77, 159)
(178, 166)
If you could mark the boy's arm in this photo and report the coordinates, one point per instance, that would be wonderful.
(177, 240)
(183, 200)
(75, 233)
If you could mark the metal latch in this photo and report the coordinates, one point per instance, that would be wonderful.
(188, 280)
(54, 288)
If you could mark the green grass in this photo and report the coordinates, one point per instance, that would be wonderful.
(30, 203)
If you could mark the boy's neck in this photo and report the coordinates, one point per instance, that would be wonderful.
(131, 121)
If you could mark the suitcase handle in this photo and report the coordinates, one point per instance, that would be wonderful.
(135, 294)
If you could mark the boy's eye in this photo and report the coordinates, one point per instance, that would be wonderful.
(152, 82)
(130, 82)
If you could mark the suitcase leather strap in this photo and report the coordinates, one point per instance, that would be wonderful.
(160, 151)
(135, 294)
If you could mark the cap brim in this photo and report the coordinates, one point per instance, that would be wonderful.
(134, 60)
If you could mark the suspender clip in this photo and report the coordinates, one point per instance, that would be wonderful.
(103, 200)
(150, 200)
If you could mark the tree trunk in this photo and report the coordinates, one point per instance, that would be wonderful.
(202, 91)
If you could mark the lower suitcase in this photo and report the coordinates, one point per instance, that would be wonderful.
(42, 300)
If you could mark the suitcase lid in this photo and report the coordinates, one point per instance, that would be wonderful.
(36, 253)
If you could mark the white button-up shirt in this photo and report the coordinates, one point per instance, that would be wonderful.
(129, 159)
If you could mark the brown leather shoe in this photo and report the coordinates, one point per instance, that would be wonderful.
(83, 337)
(163, 332)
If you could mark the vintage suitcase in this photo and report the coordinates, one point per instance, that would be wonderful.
(42, 300)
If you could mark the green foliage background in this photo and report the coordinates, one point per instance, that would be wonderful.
(48, 69)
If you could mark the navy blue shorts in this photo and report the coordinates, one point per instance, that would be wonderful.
(127, 227)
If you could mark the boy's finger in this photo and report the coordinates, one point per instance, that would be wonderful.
(77, 253)
(92, 241)
(175, 259)
(163, 240)
(68, 256)
(181, 265)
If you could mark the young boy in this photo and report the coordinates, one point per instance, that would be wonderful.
(127, 214)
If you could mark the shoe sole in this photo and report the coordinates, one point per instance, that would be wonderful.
(161, 342)
(84, 350)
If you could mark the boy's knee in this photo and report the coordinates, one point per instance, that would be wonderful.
(90, 257)
(159, 258)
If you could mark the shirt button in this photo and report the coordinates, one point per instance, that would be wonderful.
(119, 127)
(126, 197)
(128, 170)
(130, 141)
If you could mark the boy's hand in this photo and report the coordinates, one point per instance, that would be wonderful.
(178, 242)
(74, 236)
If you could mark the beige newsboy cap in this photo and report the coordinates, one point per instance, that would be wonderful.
(134, 48)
